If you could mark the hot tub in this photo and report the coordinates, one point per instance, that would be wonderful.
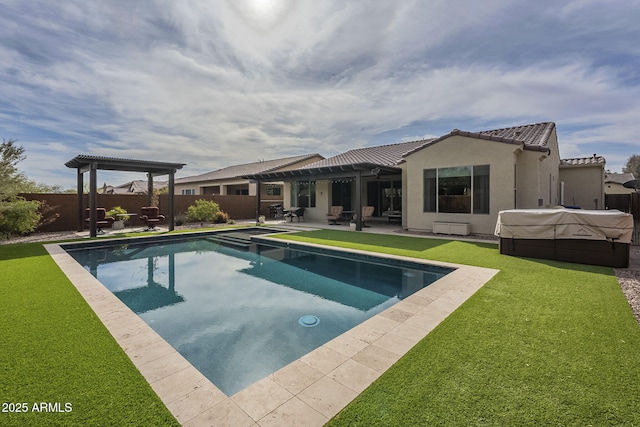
(597, 237)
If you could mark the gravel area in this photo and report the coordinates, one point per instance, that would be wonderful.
(629, 278)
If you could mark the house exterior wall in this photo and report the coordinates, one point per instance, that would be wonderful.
(319, 212)
(459, 151)
(532, 174)
(583, 186)
(616, 188)
(537, 181)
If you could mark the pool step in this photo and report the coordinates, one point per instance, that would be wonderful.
(231, 240)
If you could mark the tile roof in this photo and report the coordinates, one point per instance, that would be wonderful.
(238, 171)
(531, 137)
(583, 161)
(619, 178)
(383, 155)
(133, 187)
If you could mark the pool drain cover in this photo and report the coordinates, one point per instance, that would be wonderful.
(309, 321)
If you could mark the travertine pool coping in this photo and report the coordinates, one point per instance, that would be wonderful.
(308, 391)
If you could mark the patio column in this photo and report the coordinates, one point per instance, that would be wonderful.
(359, 201)
(93, 204)
(258, 202)
(171, 191)
(149, 188)
(80, 190)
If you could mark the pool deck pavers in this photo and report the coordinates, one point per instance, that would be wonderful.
(307, 392)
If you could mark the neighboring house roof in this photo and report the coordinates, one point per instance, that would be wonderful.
(133, 187)
(384, 155)
(239, 171)
(594, 160)
(618, 178)
(533, 137)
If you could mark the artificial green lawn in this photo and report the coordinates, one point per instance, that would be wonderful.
(542, 343)
(53, 349)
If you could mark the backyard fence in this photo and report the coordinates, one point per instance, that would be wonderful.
(65, 206)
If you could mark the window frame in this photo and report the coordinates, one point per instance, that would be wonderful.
(436, 193)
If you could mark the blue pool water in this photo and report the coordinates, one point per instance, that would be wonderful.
(239, 314)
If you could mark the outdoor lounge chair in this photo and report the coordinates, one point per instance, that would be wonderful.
(150, 215)
(102, 220)
(335, 215)
(367, 213)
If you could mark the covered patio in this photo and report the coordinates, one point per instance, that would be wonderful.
(91, 164)
(348, 174)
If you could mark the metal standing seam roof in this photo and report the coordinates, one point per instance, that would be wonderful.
(384, 155)
(239, 171)
(127, 165)
(534, 137)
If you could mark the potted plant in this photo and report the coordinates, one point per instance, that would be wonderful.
(119, 215)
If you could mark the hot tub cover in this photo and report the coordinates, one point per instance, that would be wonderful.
(611, 225)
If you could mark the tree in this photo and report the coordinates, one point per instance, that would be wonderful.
(633, 166)
(17, 215)
(11, 178)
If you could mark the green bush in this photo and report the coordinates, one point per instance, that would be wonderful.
(118, 210)
(203, 211)
(18, 216)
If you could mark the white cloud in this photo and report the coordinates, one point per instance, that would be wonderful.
(215, 83)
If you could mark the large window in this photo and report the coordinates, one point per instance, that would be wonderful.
(303, 194)
(462, 189)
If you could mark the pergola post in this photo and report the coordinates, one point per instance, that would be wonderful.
(93, 203)
(171, 191)
(80, 190)
(149, 189)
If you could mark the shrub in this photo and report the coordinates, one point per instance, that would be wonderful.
(203, 211)
(181, 218)
(222, 217)
(18, 216)
(118, 210)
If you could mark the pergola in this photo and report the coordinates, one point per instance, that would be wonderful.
(91, 164)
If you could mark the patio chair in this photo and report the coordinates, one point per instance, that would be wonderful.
(151, 217)
(102, 220)
(335, 215)
(367, 213)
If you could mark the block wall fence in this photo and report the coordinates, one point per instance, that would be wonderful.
(65, 205)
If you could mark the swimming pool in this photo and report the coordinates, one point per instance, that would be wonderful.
(239, 313)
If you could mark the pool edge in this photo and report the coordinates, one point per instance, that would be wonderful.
(313, 388)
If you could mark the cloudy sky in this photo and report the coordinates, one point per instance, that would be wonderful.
(213, 83)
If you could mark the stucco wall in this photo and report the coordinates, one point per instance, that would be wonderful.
(460, 151)
(615, 188)
(583, 186)
(532, 174)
